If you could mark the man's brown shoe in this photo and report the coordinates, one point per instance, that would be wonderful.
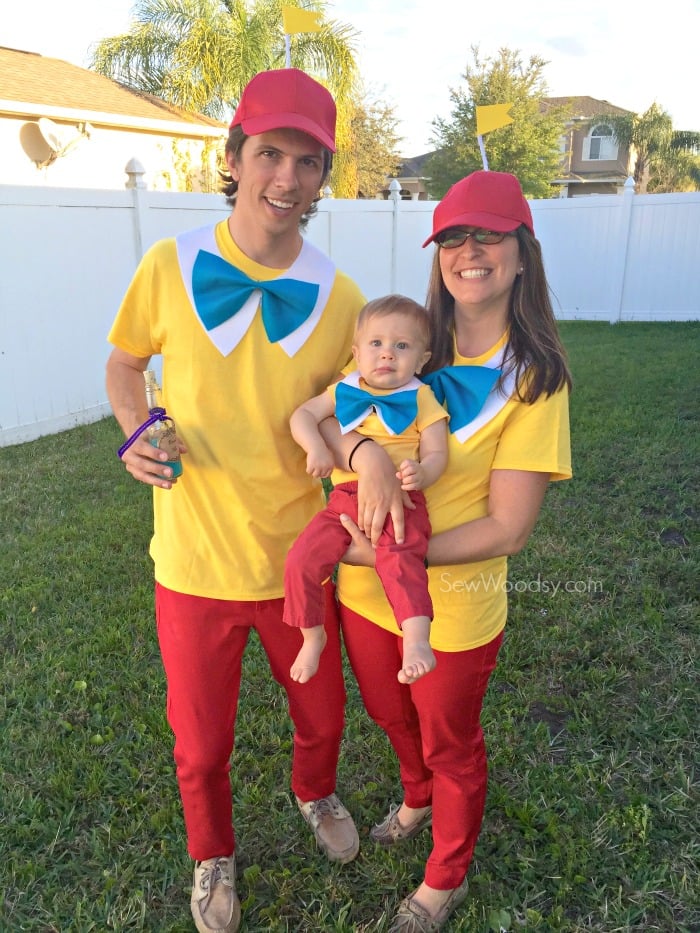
(215, 905)
(333, 828)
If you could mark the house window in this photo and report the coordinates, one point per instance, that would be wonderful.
(600, 144)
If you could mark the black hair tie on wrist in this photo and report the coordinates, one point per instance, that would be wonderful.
(352, 452)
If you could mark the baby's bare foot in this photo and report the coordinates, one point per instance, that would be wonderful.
(306, 662)
(418, 660)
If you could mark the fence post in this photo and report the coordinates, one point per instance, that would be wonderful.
(135, 182)
(626, 226)
(395, 196)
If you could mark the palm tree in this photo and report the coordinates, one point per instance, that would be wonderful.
(200, 54)
(664, 156)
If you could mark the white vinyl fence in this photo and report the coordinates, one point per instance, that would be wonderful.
(67, 256)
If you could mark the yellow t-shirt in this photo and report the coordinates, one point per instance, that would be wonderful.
(470, 600)
(404, 446)
(225, 528)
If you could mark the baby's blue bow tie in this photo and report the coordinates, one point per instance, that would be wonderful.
(464, 390)
(220, 290)
(396, 411)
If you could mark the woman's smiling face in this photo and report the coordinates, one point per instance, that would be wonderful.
(480, 276)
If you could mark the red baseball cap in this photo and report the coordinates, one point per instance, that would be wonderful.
(287, 98)
(492, 200)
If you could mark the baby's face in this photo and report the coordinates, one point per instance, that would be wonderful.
(389, 350)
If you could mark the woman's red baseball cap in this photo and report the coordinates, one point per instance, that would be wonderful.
(492, 200)
(287, 98)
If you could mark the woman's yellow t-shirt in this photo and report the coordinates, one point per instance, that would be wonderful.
(470, 600)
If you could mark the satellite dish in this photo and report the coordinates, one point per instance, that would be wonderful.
(53, 134)
(35, 145)
(44, 141)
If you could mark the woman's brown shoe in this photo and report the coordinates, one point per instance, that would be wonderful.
(412, 918)
(390, 831)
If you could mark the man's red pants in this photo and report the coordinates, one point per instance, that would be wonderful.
(202, 643)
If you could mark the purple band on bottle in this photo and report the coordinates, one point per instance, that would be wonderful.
(156, 414)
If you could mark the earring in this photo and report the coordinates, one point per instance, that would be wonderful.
(520, 271)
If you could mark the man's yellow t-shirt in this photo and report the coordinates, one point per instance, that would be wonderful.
(225, 528)
(470, 600)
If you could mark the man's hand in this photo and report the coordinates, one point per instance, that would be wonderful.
(146, 463)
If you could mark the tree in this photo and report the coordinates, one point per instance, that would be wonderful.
(375, 140)
(200, 54)
(665, 159)
(528, 147)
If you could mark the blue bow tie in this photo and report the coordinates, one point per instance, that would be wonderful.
(395, 411)
(464, 389)
(220, 290)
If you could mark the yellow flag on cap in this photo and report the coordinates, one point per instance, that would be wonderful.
(492, 117)
(295, 20)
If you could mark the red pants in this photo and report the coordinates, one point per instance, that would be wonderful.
(202, 643)
(400, 567)
(434, 726)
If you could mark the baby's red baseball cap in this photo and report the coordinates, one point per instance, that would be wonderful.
(492, 200)
(287, 98)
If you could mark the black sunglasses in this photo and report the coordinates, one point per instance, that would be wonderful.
(451, 239)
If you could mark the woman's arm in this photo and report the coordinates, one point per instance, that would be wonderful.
(378, 490)
(515, 499)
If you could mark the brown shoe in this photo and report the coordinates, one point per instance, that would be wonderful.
(392, 831)
(333, 828)
(412, 918)
(214, 904)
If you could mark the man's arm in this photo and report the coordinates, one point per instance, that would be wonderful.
(127, 396)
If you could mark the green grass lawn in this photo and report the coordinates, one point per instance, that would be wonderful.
(591, 718)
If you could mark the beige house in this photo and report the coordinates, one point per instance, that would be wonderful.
(411, 179)
(65, 126)
(591, 160)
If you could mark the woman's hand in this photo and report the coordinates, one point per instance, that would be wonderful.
(378, 493)
(360, 553)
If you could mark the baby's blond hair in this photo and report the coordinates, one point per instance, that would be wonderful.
(396, 304)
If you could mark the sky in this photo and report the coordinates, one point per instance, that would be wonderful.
(411, 53)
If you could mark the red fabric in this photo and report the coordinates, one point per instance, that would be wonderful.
(400, 567)
(434, 726)
(202, 642)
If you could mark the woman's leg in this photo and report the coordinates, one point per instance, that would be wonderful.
(375, 657)
(449, 704)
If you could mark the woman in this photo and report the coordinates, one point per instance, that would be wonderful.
(499, 364)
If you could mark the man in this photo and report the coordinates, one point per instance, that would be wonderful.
(250, 320)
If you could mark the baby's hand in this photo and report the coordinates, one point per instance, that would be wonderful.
(319, 462)
(410, 475)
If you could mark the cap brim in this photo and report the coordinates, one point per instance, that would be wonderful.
(252, 126)
(477, 219)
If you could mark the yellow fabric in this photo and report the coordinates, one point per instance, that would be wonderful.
(224, 530)
(404, 446)
(295, 20)
(470, 600)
